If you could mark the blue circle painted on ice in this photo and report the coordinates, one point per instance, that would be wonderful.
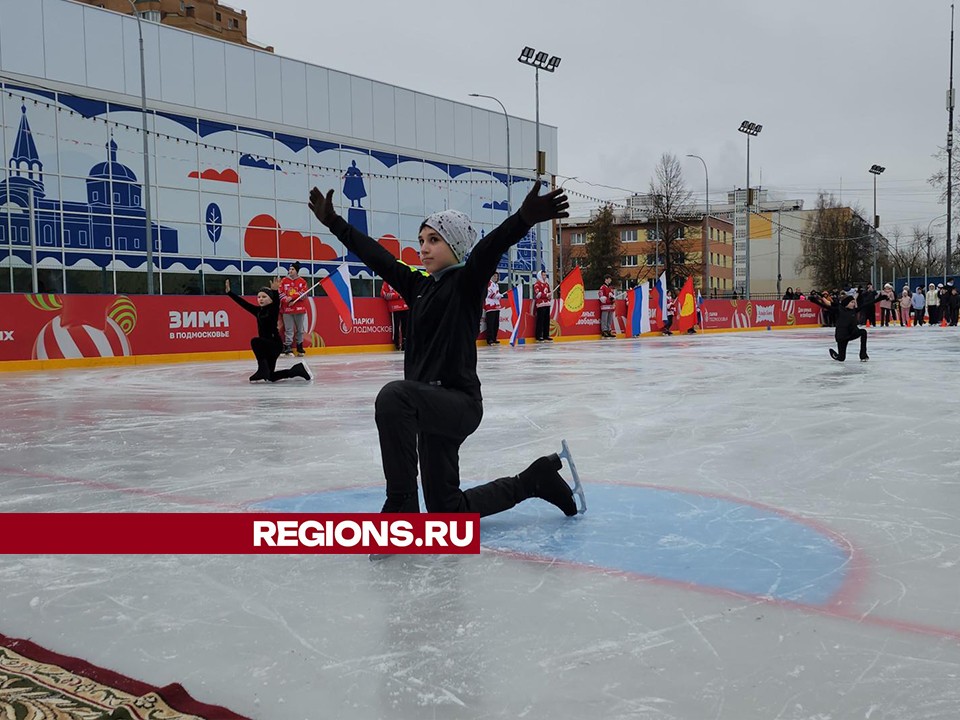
(711, 542)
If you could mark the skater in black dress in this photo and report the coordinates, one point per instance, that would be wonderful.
(426, 416)
(267, 345)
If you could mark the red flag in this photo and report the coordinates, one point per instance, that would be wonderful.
(687, 307)
(571, 298)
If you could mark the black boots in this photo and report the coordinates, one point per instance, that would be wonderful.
(401, 503)
(300, 352)
(542, 480)
(301, 370)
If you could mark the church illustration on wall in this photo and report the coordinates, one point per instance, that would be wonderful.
(112, 219)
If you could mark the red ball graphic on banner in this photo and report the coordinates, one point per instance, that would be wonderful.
(311, 304)
(80, 341)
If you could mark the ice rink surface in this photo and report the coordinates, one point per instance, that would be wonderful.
(771, 534)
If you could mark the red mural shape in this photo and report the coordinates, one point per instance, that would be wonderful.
(229, 175)
(392, 245)
(261, 238)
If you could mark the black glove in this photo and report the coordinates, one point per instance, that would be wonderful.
(539, 208)
(322, 206)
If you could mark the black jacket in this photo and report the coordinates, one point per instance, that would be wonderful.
(866, 299)
(266, 316)
(847, 322)
(441, 344)
(846, 318)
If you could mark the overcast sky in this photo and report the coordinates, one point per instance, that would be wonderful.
(838, 85)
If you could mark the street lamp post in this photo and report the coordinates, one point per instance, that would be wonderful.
(875, 170)
(926, 274)
(560, 234)
(706, 228)
(779, 228)
(146, 156)
(750, 130)
(540, 61)
(506, 119)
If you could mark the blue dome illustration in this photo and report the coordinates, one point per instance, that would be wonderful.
(112, 169)
(108, 227)
(113, 184)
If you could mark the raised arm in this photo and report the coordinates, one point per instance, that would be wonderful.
(377, 258)
(249, 307)
(536, 208)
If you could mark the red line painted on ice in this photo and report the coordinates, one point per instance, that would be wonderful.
(125, 489)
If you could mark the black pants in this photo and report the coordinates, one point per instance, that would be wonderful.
(868, 316)
(543, 323)
(493, 325)
(952, 317)
(842, 344)
(918, 316)
(267, 350)
(399, 320)
(885, 315)
(414, 418)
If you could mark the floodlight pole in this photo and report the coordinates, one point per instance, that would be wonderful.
(539, 60)
(875, 170)
(749, 129)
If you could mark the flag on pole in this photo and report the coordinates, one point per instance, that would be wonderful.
(571, 298)
(661, 288)
(687, 304)
(516, 304)
(337, 286)
(699, 309)
(638, 310)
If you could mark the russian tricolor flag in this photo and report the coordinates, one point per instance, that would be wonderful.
(661, 287)
(337, 287)
(516, 303)
(638, 319)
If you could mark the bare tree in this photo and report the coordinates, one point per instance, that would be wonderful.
(907, 255)
(671, 204)
(838, 245)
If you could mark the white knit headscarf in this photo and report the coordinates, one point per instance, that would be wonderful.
(455, 228)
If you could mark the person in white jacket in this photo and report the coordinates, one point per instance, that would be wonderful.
(933, 304)
(491, 309)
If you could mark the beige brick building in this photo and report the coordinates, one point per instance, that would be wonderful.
(206, 17)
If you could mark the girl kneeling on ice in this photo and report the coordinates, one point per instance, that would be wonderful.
(267, 345)
(847, 329)
(427, 415)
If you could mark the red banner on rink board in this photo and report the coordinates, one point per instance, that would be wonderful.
(238, 533)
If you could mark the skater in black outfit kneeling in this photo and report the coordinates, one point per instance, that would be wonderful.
(847, 330)
(438, 404)
(267, 345)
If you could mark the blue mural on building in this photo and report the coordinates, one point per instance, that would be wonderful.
(112, 219)
(108, 230)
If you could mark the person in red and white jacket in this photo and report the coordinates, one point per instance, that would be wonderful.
(491, 308)
(542, 301)
(293, 309)
(399, 312)
(607, 297)
(673, 308)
